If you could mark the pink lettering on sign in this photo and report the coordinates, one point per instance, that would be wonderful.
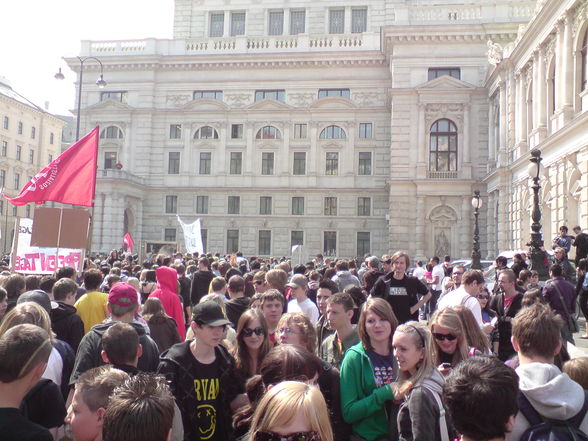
(43, 263)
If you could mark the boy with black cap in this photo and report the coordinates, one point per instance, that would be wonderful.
(201, 376)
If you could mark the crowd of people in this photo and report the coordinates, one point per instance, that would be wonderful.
(222, 348)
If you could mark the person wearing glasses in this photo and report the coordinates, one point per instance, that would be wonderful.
(453, 282)
(252, 344)
(451, 344)
(259, 283)
(488, 315)
(420, 415)
(291, 411)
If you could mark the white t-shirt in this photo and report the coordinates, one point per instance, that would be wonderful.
(306, 307)
(419, 272)
(458, 297)
(439, 272)
(54, 367)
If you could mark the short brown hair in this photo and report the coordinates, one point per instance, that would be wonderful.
(382, 309)
(577, 369)
(120, 342)
(218, 283)
(272, 295)
(236, 284)
(398, 254)
(537, 330)
(277, 278)
(96, 385)
(22, 348)
(342, 298)
(62, 288)
(471, 276)
(301, 321)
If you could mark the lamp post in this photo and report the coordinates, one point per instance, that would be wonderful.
(536, 251)
(477, 204)
(99, 82)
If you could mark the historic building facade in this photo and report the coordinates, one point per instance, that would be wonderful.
(30, 138)
(349, 127)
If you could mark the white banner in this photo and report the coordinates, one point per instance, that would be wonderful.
(27, 259)
(192, 236)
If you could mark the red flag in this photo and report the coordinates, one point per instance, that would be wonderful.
(69, 179)
(128, 241)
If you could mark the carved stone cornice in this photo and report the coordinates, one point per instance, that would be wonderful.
(579, 16)
(453, 111)
(301, 99)
(238, 99)
(177, 100)
(436, 38)
(367, 99)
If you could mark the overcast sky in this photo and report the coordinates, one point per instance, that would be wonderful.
(36, 34)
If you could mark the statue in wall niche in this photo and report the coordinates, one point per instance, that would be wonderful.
(494, 53)
(442, 245)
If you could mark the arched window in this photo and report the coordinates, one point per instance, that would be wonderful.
(111, 132)
(443, 146)
(268, 132)
(551, 89)
(333, 132)
(585, 61)
(206, 132)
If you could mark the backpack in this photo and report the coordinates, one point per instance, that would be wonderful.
(544, 429)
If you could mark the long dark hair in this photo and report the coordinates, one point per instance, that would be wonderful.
(241, 353)
(153, 308)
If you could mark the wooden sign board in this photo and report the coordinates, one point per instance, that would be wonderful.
(60, 228)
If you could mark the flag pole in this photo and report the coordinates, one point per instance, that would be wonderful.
(91, 226)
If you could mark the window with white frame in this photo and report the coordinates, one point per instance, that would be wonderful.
(237, 23)
(297, 21)
(333, 132)
(299, 163)
(234, 205)
(365, 130)
(236, 131)
(296, 238)
(16, 181)
(173, 163)
(323, 93)
(171, 204)
(276, 23)
(336, 21)
(201, 204)
(265, 242)
(232, 241)
(365, 163)
(267, 163)
(110, 160)
(4, 150)
(111, 132)
(330, 208)
(175, 131)
(364, 206)
(298, 205)
(205, 161)
(270, 94)
(265, 205)
(217, 24)
(268, 132)
(358, 20)
(300, 131)
(207, 94)
(363, 243)
(206, 132)
(169, 235)
(330, 243)
(236, 161)
(332, 163)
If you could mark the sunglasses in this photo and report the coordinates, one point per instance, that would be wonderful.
(483, 297)
(388, 262)
(259, 282)
(299, 436)
(441, 337)
(248, 332)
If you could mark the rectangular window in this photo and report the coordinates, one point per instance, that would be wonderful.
(205, 159)
(298, 205)
(336, 21)
(204, 234)
(20, 126)
(330, 206)
(2, 178)
(235, 166)
(365, 130)
(363, 243)
(358, 20)
(276, 23)
(330, 243)
(31, 156)
(234, 205)
(1, 207)
(236, 131)
(364, 206)
(232, 241)
(217, 24)
(6, 122)
(271, 94)
(299, 163)
(436, 72)
(109, 160)
(323, 93)
(208, 94)
(332, 164)
(365, 163)
(18, 152)
(267, 163)
(50, 157)
(237, 23)
(297, 22)
(300, 131)
(33, 132)
(4, 148)
(16, 181)
(265, 205)
(14, 213)
(265, 242)
(51, 138)
(169, 235)
(28, 211)
(115, 95)
(202, 204)
(296, 238)
(173, 164)
(171, 204)
(175, 131)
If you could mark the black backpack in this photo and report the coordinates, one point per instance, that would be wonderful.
(544, 429)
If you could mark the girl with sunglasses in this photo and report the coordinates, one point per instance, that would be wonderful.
(451, 344)
(252, 344)
(291, 411)
(419, 417)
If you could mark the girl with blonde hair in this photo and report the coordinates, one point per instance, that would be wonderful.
(291, 411)
(474, 335)
(451, 345)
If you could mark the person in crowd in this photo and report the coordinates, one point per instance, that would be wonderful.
(481, 397)
(475, 336)
(277, 279)
(524, 279)
(237, 303)
(581, 292)
(561, 258)
(24, 353)
(560, 295)
(453, 282)
(437, 275)
(14, 285)
(92, 306)
(563, 240)
(451, 345)
(422, 415)
(140, 409)
(325, 290)
(85, 416)
(162, 328)
(300, 301)
(229, 335)
(507, 303)
(67, 325)
(292, 410)
(343, 277)
(46, 284)
(201, 280)
(69, 272)
(488, 315)
(201, 374)
(218, 286)
(184, 289)
(339, 313)
(581, 244)
(252, 346)
(536, 337)
(166, 292)
(259, 283)
(372, 274)
(419, 270)
(32, 282)
(148, 281)
(402, 292)
(500, 264)
(518, 264)
(577, 370)
(367, 371)
(359, 298)
(531, 297)
(314, 279)
(121, 347)
(3, 303)
(386, 263)
(271, 305)
(122, 306)
(533, 281)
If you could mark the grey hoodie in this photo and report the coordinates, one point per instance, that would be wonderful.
(553, 394)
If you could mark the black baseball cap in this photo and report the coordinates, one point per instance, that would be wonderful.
(210, 313)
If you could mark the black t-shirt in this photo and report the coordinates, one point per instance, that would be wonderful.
(44, 405)
(206, 389)
(402, 295)
(15, 427)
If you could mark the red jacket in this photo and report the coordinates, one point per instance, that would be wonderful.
(167, 287)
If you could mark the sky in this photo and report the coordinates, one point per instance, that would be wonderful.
(36, 34)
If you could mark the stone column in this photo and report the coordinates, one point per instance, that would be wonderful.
(420, 228)
(502, 153)
(466, 230)
(466, 135)
(491, 225)
(491, 132)
(567, 69)
(502, 216)
(521, 113)
(512, 94)
(421, 141)
(541, 100)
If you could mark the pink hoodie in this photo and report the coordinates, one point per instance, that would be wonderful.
(167, 286)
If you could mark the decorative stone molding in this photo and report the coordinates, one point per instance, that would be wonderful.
(301, 99)
(578, 17)
(177, 100)
(238, 99)
(452, 111)
(366, 99)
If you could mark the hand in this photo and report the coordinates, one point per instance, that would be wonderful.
(488, 328)
(444, 370)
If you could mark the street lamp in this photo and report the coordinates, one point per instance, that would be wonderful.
(536, 251)
(477, 204)
(99, 82)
